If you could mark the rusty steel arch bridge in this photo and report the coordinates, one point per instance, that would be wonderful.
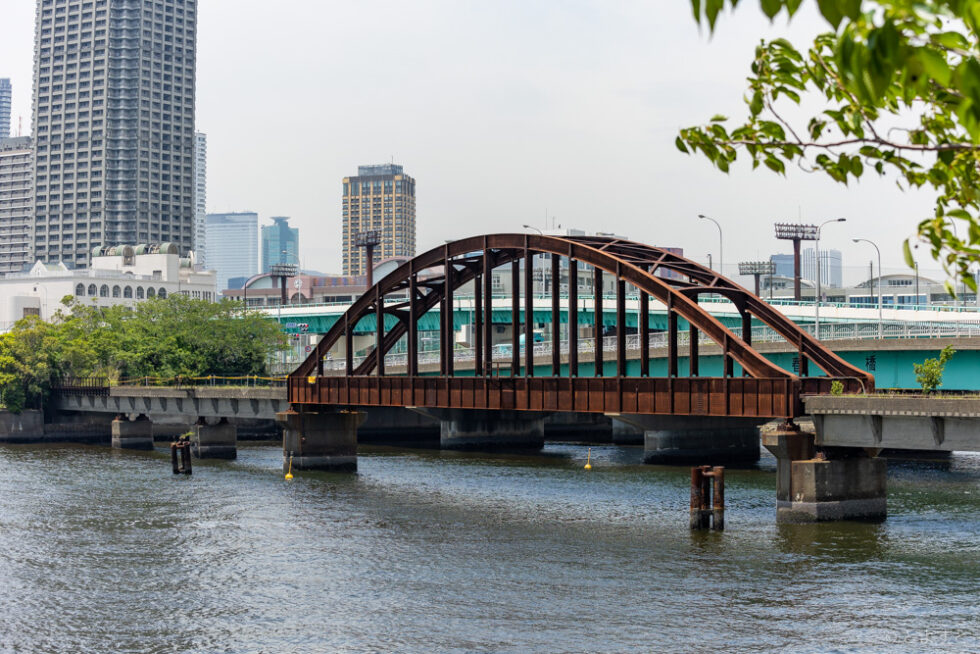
(759, 389)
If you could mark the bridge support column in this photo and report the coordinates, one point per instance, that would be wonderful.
(695, 440)
(623, 433)
(132, 434)
(838, 484)
(320, 440)
(478, 429)
(218, 441)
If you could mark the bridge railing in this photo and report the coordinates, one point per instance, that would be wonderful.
(101, 385)
(502, 353)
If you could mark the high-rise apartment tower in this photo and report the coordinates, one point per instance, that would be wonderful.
(113, 125)
(16, 186)
(382, 199)
(200, 196)
(6, 97)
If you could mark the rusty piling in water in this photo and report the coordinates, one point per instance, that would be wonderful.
(180, 457)
(708, 497)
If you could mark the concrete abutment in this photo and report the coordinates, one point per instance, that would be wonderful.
(696, 440)
(482, 430)
(817, 486)
(324, 440)
(132, 434)
(218, 441)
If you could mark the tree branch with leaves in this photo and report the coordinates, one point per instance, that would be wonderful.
(898, 84)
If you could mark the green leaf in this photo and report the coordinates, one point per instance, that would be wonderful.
(771, 7)
(679, 142)
(718, 118)
(907, 251)
(831, 11)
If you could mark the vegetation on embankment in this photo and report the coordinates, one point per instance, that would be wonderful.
(157, 337)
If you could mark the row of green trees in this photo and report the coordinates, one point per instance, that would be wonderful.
(176, 336)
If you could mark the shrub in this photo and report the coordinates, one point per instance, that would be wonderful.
(836, 388)
(929, 373)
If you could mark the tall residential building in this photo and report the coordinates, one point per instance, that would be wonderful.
(200, 196)
(16, 187)
(382, 199)
(6, 98)
(113, 125)
(280, 244)
(232, 245)
(831, 267)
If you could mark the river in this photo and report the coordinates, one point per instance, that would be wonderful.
(427, 551)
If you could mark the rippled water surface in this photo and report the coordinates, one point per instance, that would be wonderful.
(107, 551)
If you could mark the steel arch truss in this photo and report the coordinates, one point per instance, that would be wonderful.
(431, 279)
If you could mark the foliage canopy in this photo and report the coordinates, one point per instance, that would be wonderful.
(899, 86)
(157, 337)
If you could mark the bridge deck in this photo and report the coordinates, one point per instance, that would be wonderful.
(700, 396)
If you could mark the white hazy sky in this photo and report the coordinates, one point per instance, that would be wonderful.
(502, 111)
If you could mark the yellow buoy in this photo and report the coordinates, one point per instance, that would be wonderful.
(588, 461)
(289, 473)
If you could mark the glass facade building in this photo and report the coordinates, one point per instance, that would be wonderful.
(232, 245)
(280, 244)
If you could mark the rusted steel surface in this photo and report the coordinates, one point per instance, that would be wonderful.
(702, 396)
(431, 279)
(708, 498)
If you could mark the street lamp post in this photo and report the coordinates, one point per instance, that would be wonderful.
(537, 229)
(858, 240)
(721, 252)
(816, 308)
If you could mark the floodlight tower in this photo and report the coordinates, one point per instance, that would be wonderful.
(282, 272)
(796, 232)
(757, 269)
(368, 240)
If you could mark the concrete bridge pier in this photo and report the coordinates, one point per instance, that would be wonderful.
(696, 440)
(624, 433)
(218, 441)
(838, 483)
(325, 440)
(132, 434)
(478, 429)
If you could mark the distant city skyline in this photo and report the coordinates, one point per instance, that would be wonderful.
(574, 118)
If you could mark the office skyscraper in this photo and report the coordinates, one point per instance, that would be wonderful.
(382, 199)
(16, 186)
(6, 97)
(200, 196)
(280, 244)
(232, 245)
(113, 125)
(831, 268)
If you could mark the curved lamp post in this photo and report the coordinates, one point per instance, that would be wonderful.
(816, 308)
(721, 252)
(858, 240)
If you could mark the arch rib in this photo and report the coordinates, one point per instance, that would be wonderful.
(631, 262)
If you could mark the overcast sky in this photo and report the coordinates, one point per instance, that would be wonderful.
(501, 111)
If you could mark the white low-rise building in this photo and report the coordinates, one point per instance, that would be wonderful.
(123, 274)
